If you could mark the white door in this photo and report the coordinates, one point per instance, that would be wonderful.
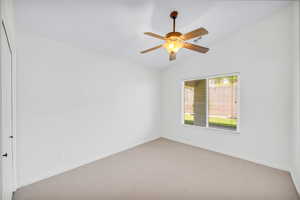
(6, 117)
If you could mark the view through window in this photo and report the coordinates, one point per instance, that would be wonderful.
(212, 102)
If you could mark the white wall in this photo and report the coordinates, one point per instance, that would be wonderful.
(295, 147)
(75, 106)
(262, 53)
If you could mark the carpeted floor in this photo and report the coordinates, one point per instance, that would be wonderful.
(165, 170)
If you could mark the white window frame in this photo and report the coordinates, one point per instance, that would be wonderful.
(207, 123)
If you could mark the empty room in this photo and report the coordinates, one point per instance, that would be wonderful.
(150, 100)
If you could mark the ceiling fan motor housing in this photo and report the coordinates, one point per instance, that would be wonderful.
(173, 34)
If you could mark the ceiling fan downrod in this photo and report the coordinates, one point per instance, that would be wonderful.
(174, 15)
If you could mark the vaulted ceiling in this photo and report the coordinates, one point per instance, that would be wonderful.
(116, 27)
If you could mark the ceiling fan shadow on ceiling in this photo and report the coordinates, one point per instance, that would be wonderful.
(176, 40)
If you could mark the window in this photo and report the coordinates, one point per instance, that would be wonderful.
(212, 102)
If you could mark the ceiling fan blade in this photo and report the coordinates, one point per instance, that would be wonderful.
(151, 49)
(172, 56)
(155, 35)
(195, 33)
(194, 47)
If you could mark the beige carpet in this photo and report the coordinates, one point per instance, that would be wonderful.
(165, 170)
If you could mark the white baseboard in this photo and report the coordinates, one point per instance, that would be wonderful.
(261, 162)
(76, 165)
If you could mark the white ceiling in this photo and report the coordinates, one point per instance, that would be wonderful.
(116, 27)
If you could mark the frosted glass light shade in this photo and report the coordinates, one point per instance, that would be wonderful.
(173, 44)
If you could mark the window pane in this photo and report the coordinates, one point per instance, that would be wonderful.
(222, 102)
(195, 102)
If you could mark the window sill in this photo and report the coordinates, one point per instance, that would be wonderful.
(218, 130)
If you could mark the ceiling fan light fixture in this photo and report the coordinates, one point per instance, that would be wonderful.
(173, 44)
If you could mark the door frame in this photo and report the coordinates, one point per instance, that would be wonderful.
(8, 37)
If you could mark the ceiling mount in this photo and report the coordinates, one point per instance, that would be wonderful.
(174, 14)
(176, 40)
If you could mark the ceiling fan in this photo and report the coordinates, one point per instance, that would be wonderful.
(176, 40)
